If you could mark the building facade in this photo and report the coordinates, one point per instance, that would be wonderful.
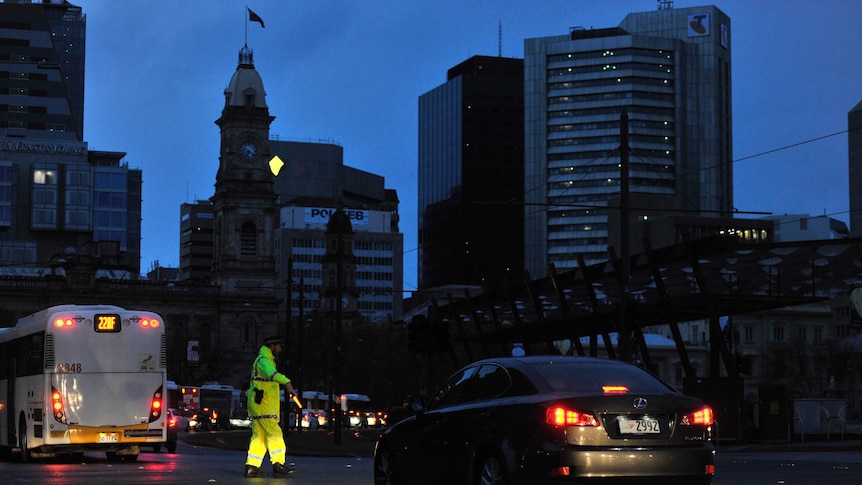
(804, 227)
(471, 169)
(59, 201)
(670, 71)
(196, 240)
(854, 145)
(311, 186)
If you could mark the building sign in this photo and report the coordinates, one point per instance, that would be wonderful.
(193, 356)
(698, 25)
(30, 147)
(321, 215)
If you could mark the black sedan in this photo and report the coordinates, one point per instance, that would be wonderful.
(550, 418)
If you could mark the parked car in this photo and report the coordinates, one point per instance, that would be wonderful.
(535, 419)
(171, 443)
(182, 419)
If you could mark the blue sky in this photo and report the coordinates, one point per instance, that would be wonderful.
(351, 72)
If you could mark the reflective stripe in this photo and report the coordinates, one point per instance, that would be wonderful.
(265, 416)
(261, 379)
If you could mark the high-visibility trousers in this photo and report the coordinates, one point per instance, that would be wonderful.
(266, 435)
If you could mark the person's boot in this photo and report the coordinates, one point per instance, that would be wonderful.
(279, 470)
(252, 471)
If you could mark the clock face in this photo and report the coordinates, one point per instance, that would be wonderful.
(248, 151)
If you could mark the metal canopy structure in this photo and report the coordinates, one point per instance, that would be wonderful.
(702, 279)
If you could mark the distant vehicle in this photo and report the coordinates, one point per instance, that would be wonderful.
(217, 402)
(181, 418)
(173, 395)
(240, 419)
(357, 412)
(76, 378)
(314, 409)
(536, 419)
(173, 437)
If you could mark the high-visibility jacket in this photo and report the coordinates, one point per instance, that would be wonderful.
(266, 378)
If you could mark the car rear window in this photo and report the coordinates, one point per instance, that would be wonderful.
(592, 377)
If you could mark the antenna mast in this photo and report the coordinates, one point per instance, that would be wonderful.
(499, 38)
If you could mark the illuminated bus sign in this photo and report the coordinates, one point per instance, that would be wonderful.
(109, 322)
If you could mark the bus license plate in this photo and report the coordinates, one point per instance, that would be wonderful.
(108, 438)
(639, 426)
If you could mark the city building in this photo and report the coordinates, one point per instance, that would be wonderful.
(196, 240)
(854, 144)
(804, 227)
(669, 72)
(471, 170)
(60, 202)
(311, 186)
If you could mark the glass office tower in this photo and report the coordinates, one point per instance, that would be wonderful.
(670, 70)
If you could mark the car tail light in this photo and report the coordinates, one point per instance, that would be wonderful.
(702, 416)
(563, 416)
(57, 406)
(172, 422)
(156, 405)
(615, 389)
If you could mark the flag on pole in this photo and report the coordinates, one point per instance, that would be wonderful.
(253, 17)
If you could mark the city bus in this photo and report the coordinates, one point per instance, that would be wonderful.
(76, 378)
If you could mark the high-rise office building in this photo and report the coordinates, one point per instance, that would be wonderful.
(854, 145)
(471, 169)
(670, 71)
(59, 201)
(196, 240)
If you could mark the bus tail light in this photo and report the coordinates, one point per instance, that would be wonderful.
(156, 405)
(150, 323)
(61, 322)
(57, 406)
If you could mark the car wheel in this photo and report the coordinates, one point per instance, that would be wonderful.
(383, 468)
(157, 448)
(490, 470)
(172, 447)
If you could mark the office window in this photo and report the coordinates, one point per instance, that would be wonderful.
(778, 333)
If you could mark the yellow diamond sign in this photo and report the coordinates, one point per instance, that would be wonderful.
(275, 165)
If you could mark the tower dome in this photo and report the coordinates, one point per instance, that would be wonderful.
(245, 87)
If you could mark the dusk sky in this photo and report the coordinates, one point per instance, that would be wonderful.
(351, 73)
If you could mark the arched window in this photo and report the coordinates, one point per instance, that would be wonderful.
(248, 239)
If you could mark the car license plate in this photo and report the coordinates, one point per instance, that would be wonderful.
(639, 426)
(108, 438)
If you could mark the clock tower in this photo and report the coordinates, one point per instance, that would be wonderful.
(244, 202)
(339, 266)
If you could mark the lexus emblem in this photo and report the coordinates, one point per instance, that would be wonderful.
(640, 403)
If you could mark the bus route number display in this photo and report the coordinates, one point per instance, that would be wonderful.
(109, 322)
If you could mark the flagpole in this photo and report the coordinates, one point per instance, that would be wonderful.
(246, 25)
